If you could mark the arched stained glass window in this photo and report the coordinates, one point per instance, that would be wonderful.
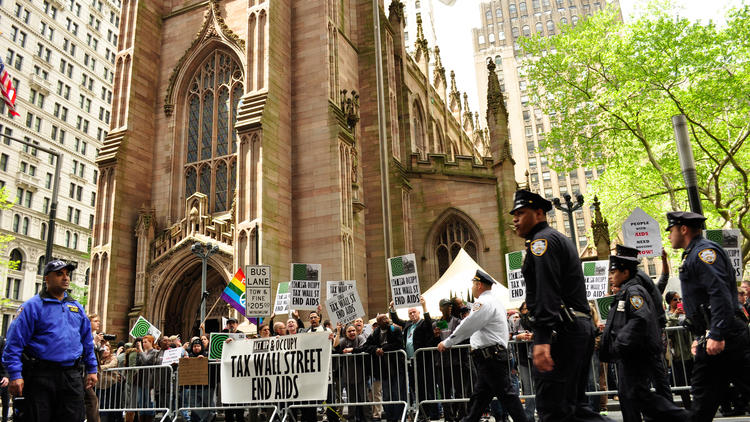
(221, 187)
(205, 181)
(193, 112)
(222, 146)
(211, 106)
(454, 235)
(190, 180)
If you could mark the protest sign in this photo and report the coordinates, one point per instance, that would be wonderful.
(335, 288)
(193, 371)
(257, 290)
(281, 305)
(641, 231)
(276, 369)
(404, 281)
(595, 273)
(731, 241)
(304, 287)
(216, 343)
(603, 304)
(171, 356)
(345, 307)
(516, 282)
(143, 327)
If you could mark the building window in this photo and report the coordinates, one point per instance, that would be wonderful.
(13, 289)
(40, 266)
(17, 258)
(212, 104)
(454, 235)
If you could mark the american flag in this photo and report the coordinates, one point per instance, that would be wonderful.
(6, 86)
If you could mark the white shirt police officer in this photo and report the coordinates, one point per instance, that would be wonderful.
(488, 327)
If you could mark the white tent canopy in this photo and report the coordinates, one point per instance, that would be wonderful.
(456, 279)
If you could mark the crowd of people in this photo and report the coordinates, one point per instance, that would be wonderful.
(554, 347)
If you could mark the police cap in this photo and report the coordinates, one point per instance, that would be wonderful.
(623, 250)
(483, 278)
(622, 263)
(524, 198)
(684, 218)
(59, 264)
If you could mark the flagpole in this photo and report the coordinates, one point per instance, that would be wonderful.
(210, 310)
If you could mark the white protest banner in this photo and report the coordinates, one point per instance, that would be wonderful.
(516, 282)
(345, 307)
(171, 356)
(595, 273)
(304, 287)
(731, 241)
(257, 290)
(278, 369)
(404, 281)
(281, 305)
(335, 288)
(143, 327)
(641, 231)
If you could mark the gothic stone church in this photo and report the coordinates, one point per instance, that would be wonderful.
(254, 125)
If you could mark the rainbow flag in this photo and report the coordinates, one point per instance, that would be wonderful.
(234, 294)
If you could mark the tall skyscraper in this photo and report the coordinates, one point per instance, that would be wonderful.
(502, 23)
(60, 54)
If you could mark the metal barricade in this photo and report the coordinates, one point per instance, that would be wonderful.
(205, 400)
(147, 390)
(446, 378)
(353, 378)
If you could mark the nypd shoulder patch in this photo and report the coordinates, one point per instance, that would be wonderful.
(539, 247)
(707, 255)
(636, 301)
(477, 306)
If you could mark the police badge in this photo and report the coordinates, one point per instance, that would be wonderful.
(539, 247)
(636, 301)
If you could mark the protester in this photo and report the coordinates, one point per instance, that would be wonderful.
(387, 367)
(453, 368)
(521, 333)
(556, 297)
(50, 380)
(709, 287)
(632, 340)
(108, 387)
(679, 346)
(264, 330)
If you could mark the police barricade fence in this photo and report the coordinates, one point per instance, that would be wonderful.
(145, 390)
(360, 385)
(201, 402)
(441, 378)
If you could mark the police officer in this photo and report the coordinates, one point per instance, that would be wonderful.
(632, 339)
(48, 344)
(660, 378)
(559, 312)
(488, 327)
(709, 292)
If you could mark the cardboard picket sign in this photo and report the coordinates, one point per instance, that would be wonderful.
(142, 327)
(516, 282)
(641, 231)
(404, 281)
(304, 287)
(595, 273)
(345, 307)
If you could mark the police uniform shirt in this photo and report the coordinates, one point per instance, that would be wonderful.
(554, 277)
(707, 278)
(50, 329)
(486, 324)
(631, 331)
(656, 299)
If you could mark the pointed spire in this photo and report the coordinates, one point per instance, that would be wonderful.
(439, 69)
(476, 119)
(421, 43)
(494, 95)
(396, 9)
(466, 103)
(600, 228)
(453, 82)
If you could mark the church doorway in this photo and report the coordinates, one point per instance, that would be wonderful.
(182, 313)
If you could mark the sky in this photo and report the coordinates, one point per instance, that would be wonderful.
(456, 49)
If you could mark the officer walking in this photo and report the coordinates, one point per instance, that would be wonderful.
(488, 327)
(632, 339)
(48, 344)
(560, 314)
(709, 291)
(660, 378)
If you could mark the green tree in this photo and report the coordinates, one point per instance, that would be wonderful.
(4, 239)
(611, 89)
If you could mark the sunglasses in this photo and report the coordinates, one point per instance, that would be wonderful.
(677, 299)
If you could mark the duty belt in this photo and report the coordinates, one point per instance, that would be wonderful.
(41, 364)
(580, 314)
(487, 352)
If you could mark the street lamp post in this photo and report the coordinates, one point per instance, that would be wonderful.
(570, 208)
(203, 251)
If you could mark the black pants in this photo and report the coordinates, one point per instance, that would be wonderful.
(561, 392)
(424, 384)
(712, 375)
(53, 395)
(6, 402)
(493, 380)
(636, 398)
(234, 415)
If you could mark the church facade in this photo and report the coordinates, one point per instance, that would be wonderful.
(255, 125)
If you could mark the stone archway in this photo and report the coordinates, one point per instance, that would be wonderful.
(182, 311)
